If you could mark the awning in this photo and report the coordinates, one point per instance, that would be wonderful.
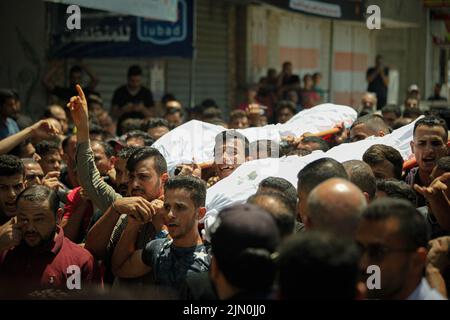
(334, 9)
(156, 9)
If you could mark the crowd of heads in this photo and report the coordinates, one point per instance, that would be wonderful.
(101, 184)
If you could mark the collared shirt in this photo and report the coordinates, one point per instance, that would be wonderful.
(24, 269)
(8, 128)
(425, 292)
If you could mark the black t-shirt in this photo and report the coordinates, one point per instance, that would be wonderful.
(171, 265)
(122, 97)
(377, 85)
(290, 80)
(65, 93)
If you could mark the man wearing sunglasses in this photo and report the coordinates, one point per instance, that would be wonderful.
(393, 236)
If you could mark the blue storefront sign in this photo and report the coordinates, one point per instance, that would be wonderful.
(104, 34)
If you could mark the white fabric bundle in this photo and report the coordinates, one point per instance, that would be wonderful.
(194, 140)
(243, 182)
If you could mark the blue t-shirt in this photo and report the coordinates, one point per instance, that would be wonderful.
(8, 128)
(171, 264)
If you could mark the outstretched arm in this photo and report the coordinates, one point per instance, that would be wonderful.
(42, 127)
(439, 202)
(101, 193)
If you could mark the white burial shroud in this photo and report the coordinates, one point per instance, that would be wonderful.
(243, 182)
(194, 140)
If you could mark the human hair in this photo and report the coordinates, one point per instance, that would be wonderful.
(144, 153)
(432, 121)
(237, 114)
(109, 151)
(154, 123)
(65, 142)
(272, 148)
(393, 109)
(45, 147)
(129, 121)
(280, 185)
(372, 122)
(283, 104)
(362, 176)
(5, 94)
(443, 164)
(311, 261)
(75, 68)
(39, 193)
(412, 113)
(403, 121)
(11, 165)
(167, 97)
(227, 135)
(211, 113)
(195, 186)
(318, 171)
(323, 145)
(20, 148)
(48, 111)
(127, 151)
(413, 228)
(134, 70)
(282, 212)
(208, 103)
(146, 138)
(397, 189)
(379, 152)
(96, 129)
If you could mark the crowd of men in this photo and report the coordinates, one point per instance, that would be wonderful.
(88, 208)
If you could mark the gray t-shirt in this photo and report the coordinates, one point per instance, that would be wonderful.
(171, 264)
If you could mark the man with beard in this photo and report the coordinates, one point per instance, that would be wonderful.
(36, 255)
(104, 234)
(12, 182)
(230, 151)
(394, 236)
(429, 144)
(170, 259)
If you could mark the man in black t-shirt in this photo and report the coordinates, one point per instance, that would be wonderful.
(132, 96)
(172, 259)
(287, 80)
(378, 81)
(75, 77)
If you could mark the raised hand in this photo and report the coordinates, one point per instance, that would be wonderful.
(10, 234)
(44, 129)
(79, 109)
(192, 169)
(137, 208)
(436, 188)
(51, 180)
(438, 254)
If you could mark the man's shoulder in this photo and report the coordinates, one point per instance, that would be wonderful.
(121, 90)
(75, 252)
(153, 249)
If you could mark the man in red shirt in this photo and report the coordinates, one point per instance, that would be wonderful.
(34, 254)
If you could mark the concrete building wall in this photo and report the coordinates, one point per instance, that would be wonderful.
(23, 54)
(404, 46)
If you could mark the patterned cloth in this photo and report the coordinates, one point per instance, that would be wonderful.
(172, 264)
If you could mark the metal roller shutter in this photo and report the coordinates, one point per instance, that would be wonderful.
(211, 72)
